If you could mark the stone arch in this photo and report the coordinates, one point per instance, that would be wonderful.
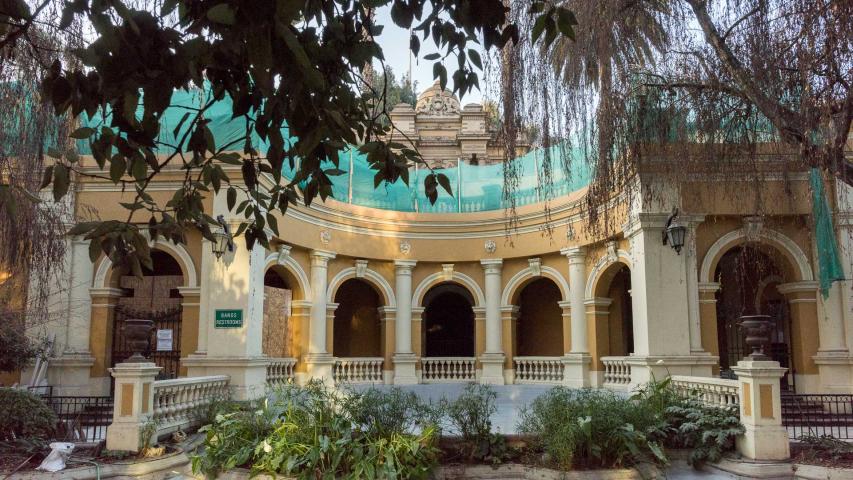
(789, 249)
(370, 276)
(291, 265)
(439, 277)
(525, 276)
(601, 266)
(176, 251)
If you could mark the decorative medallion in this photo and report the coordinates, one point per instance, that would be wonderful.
(491, 246)
(405, 247)
(325, 237)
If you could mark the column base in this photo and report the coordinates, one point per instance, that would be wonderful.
(492, 368)
(248, 375)
(647, 368)
(576, 370)
(321, 366)
(70, 374)
(836, 371)
(764, 443)
(405, 372)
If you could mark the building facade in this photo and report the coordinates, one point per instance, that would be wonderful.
(350, 293)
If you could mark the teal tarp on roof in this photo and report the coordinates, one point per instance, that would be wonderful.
(475, 188)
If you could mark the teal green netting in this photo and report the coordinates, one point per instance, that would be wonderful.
(827, 249)
(475, 188)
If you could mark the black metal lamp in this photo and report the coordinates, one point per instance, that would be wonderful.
(221, 238)
(674, 233)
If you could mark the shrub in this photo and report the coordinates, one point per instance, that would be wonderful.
(470, 417)
(311, 431)
(590, 428)
(394, 411)
(24, 416)
(708, 431)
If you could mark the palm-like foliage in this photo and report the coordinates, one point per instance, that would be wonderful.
(612, 38)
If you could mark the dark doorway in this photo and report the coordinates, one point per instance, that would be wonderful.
(748, 279)
(357, 330)
(540, 323)
(621, 316)
(448, 322)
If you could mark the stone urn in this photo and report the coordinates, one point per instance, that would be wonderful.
(757, 329)
(137, 334)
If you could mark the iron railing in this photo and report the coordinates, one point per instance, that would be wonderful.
(81, 418)
(816, 415)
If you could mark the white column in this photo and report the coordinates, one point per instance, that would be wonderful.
(576, 363)
(693, 285)
(404, 360)
(318, 360)
(80, 302)
(493, 358)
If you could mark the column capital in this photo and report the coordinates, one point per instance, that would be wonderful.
(709, 287)
(405, 265)
(565, 304)
(805, 288)
(106, 292)
(492, 265)
(645, 221)
(573, 253)
(321, 257)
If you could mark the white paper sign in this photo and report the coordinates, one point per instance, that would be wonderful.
(164, 340)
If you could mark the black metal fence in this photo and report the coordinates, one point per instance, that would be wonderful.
(818, 415)
(81, 418)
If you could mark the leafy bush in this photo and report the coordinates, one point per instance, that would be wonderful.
(470, 418)
(24, 418)
(591, 428)
(311, 431)
(708, 431)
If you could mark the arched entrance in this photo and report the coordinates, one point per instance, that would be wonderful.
(749, 277)
(154, 296)
(620, 318)
(357, 327)
(539, 331)
(611, 319)
(278, 308)
(448, 321)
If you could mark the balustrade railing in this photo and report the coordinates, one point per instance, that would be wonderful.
(448, 369)
(715, 392)
(182, 403)
(617, 372)
(280, 371)
(358, 370)
(538, 369)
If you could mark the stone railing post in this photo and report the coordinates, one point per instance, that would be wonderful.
(761, 410)
(134, 405)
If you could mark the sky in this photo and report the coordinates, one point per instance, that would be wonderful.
(395, 45)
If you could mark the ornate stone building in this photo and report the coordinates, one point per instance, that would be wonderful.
(445, 132)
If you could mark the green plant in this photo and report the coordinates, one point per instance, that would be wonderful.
(591, 428)
(470, 417)
(708, 431)
(386, 412)
(25, 416)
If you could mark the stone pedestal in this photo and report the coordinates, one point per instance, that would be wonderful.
(761, 411)
(321, 367)
(576, 370)
(134, 405)
(405, 369)
(493, 368)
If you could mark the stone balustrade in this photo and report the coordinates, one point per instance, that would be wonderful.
(183, 403)
(280, 371)
(538, 369)
(716, 392)
(448, 369)
(617, 373)
(358, 370)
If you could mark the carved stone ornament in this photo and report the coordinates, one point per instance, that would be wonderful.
(360, 268)
(447, 269)
(283, 253)
(752, 227)
(535, 266)
(490, 246)
(612, 254)
(325, 237)
(405, 247)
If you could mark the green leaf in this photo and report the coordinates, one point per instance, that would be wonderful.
(222, 13)
(61, 181)
(444, 182)
(82, 133)
(439, 72)
(231, 198)
(118, 165)
(432, 56)
(475, 58)
(539, 27)
(47, 178)
(565, 21)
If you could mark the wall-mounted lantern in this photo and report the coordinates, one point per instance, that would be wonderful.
(222, 238)
(674, 233)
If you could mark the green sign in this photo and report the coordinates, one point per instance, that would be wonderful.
(228, 319)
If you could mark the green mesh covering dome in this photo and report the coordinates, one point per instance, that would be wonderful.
(475, 188)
